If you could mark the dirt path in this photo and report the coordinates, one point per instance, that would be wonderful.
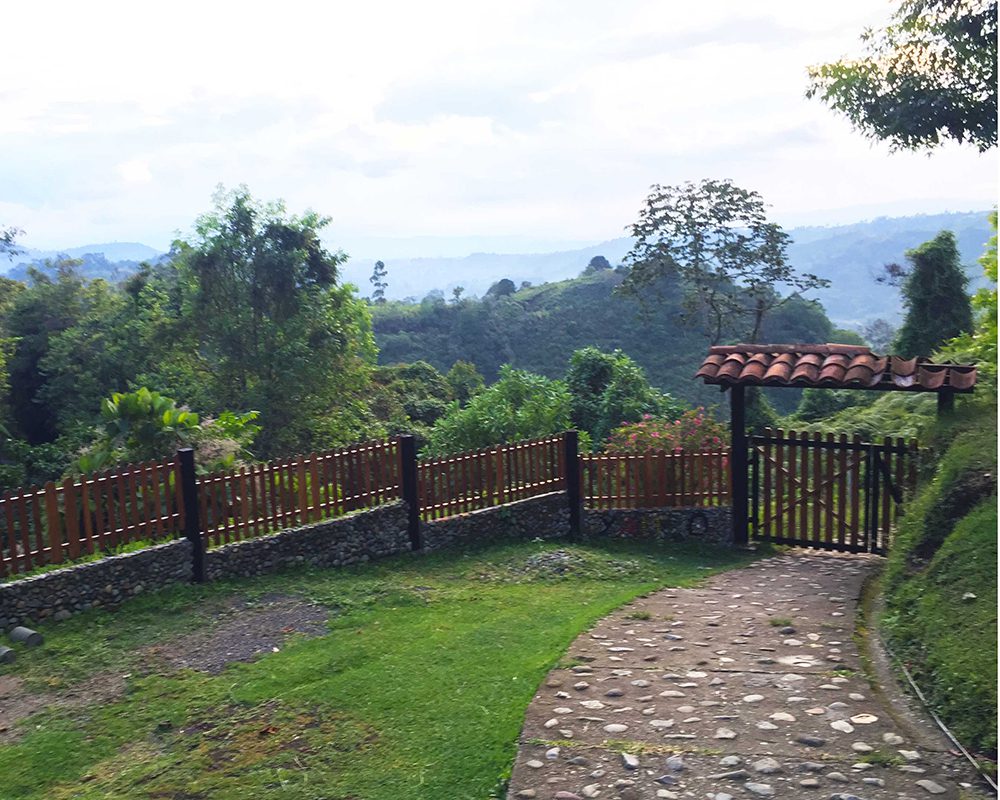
(749, 686)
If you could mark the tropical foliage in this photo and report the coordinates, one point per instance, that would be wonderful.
(694, 431)
(520, 405)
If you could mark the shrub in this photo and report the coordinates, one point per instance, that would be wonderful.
(693, 430)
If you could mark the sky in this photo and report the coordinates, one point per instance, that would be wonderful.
(439, 128)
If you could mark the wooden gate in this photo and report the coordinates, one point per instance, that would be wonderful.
(828, 491)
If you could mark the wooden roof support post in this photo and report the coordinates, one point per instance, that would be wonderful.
(945, 403)
(738, 468)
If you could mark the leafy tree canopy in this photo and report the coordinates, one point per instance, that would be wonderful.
(596, 264)
(520, 405)
(716, 238)
(937, 307)
(277, 331)
(928, 77)
(465, 381)
(610, 389)
(8, 241)
(980, 346)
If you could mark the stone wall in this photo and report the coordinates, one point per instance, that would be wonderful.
(107, 582)
(712, 525)
(352, 539)
(545, 517)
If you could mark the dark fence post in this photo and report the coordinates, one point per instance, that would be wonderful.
(571, 458)
(408, 481)
(192, 523)
(739, 465)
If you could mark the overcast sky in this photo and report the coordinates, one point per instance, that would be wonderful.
(512, 125)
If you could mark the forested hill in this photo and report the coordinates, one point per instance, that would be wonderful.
(847, 255)
(538, 328)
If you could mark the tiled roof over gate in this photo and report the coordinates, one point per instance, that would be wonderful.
(830, 366)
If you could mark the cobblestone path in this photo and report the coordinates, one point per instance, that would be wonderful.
(748, 686)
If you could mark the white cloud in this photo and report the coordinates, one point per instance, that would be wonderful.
(135, 170)
(524, 118)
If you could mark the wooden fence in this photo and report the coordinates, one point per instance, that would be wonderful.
(466, 482)
(144, 502)
(265, 498)
(655, 480)
(94, 513)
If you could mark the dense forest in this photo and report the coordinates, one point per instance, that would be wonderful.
(246, 343)
(538, 328)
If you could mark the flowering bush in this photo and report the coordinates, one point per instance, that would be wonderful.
(694, 430)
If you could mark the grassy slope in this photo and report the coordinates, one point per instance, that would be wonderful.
(418, 690)
(946, 547)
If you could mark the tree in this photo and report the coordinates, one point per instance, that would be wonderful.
(597, 264)
(276, 331)
(520, 405)
(378, 281)
(980, 346)
(715, 237)
(502, 288)
(456, 294)
(411, 397)
(52, 303)
(610, 389)
(929, 76)
(465, 381)
(937, 307)
(879, 334)
(8, 241)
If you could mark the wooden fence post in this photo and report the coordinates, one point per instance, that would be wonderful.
(192, 520)
(408, 481)
(571, 451)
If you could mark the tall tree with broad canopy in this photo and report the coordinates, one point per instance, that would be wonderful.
(716, 238)
(937, 307)
(928, 77)
(278, 332)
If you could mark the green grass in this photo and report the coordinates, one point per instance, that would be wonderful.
(946, 550)
(417, 691)
(779, 622)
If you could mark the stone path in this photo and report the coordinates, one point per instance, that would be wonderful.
(749, 686)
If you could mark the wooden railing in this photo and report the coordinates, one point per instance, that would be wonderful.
(655, 480)
(144, 502)
(94, 513)
(265, 498)
(466, 482)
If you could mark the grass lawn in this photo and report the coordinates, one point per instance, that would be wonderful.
(417, 690)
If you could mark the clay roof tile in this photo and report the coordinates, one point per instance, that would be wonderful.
(962, 378)
(931, 377)
(829, 365)
(732, 367)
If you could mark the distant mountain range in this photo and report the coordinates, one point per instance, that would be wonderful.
(112, 251)
(848, 255)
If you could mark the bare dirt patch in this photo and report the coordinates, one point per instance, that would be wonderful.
(17, 702)
(244, 631)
